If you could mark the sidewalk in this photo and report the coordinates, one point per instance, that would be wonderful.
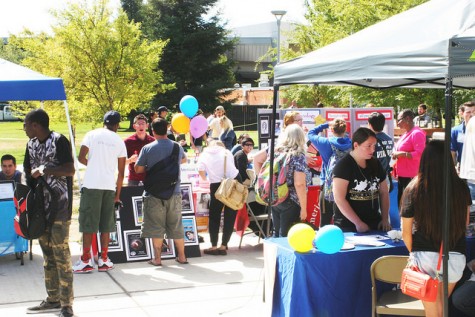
(229, 285)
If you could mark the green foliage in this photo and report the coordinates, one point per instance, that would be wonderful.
(11, 53)
(103, 59)
(332, 20)
(195, 58)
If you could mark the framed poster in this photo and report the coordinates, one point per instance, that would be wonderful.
(136, 248)
(202, 202)
(264, 125)
(115, 242)
(137, 203)
(191, 231)
(168, 249)
(186, 198)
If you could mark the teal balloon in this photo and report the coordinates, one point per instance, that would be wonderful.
(189, 106)
(329, 239)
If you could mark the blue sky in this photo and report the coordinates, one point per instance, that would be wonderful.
(34, 14)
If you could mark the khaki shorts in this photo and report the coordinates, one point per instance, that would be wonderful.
(162, 217)
(96, 210)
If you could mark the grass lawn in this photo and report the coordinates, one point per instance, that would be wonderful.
(13, 139)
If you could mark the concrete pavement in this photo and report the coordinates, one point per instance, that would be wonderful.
(229, 285)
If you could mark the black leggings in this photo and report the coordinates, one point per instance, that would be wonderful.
(215, 208)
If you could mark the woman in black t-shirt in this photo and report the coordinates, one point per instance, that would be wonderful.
(422, 212)
(360, 187)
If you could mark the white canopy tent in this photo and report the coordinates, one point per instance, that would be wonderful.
(18, 83)
(420, 47)
(429, 46)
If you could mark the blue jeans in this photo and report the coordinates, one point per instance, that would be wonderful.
(284, 216)
(464, 298)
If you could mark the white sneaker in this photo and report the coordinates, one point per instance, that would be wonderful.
(104, 266)
(83, 267)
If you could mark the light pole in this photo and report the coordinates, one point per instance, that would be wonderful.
(279, 14)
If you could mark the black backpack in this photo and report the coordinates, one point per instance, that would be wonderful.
(32, 218)
(161, 179)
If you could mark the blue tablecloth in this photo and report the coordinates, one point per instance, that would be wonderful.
(317, 284)
(10, 242)
(394, 217)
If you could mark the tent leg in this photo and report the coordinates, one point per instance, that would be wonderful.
(447, 186)
(271, 149)
(73, 146)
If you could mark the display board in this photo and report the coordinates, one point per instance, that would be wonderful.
(126, 244)
(264, 119)
(354, 117)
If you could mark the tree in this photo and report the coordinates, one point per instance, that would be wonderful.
(103, 59)
(195, 57)
(11, 53)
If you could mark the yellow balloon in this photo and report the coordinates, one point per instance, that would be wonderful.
(301, 237)
(180, 123)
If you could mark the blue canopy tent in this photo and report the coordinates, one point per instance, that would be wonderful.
(21, 83)
(18, 83)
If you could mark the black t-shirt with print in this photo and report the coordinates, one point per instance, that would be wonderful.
(54, 151)
(362, 193)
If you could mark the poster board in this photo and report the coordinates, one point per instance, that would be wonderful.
(126, 244)
(354, 117)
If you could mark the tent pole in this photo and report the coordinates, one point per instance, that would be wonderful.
(73, 146)
(447, 186)
(271, 151)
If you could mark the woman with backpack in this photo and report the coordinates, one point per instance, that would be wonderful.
(360, 187)
(336, 145)
(294, 208)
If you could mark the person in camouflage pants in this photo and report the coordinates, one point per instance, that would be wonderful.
(48, 155)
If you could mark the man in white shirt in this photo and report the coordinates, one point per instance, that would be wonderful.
(103, 152)
(422, 120)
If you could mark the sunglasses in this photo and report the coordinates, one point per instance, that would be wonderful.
(399, 120)
(249, 144)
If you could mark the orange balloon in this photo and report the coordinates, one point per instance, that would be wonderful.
(181, 123)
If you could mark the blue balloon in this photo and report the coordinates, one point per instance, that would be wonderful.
(189, 106)
(329, 239)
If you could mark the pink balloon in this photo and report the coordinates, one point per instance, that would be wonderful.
(198, 126)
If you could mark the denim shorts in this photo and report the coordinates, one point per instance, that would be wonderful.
(427, 262)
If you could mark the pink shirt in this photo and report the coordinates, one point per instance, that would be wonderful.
(414, 142)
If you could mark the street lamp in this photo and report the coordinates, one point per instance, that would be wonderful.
(279, 14)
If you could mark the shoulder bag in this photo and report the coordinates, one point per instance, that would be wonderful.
(420, 285)
(231, 192)
(161, 179)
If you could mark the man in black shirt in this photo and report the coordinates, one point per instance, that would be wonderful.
(48, 155)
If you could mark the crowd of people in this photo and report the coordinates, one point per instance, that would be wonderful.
(355, 178)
